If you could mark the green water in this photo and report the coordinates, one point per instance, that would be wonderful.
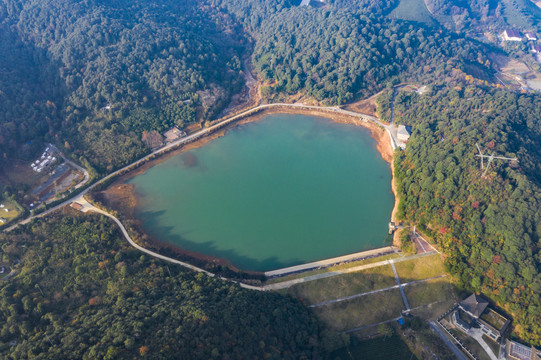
(286, 190)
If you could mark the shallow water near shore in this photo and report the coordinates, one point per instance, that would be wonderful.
(285, 190)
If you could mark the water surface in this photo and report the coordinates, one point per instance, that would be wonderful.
(285, 190)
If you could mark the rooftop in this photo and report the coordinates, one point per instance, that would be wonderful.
(404, 130)
(512, 33)
(474, 305)
(76, 206)
(518, 351)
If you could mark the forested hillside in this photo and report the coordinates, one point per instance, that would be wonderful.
(92, 75)
(340, 56)
(489, 228)
(480, 15)
(82, 293)
(126, 67)
(30, 95)
(111, 70)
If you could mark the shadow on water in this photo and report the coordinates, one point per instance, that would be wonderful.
(168, 235)
(189, 159)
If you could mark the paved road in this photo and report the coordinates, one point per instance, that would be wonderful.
(282, 285)
(89, 207)
(400, 286)
(332, 261)
(459, 354)
(203, 133)
(477, 334)
(289, 283)
(80, 197)
(425, 245)
(9, 276)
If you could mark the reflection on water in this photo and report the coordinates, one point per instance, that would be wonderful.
(282, 191)
(189, 159)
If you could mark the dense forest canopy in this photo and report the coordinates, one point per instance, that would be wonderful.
(489, 227)
(339, 56)
(82, 293)
(112, 70)
(482, 15)
(126, 67)
(30, 94)
(92, 75)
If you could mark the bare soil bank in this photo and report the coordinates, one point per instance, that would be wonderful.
(121, 197)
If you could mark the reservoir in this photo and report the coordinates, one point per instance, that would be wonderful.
(285, 190)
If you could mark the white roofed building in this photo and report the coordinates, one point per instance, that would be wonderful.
(531, 37)
(511, 35)
(403, 132)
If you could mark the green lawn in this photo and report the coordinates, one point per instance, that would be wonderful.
(493, 318)
(317, 291)
(413, 10)
(519, 12)
(332, 268)
(362, 311)
(429, 292)
(420, 268)
(14, 210)
(471, 344)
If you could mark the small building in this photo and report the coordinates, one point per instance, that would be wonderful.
(531, 37)
(76, 206)
(511, 35)
(6, 209)
(173, 134)
(3, 220)
(536, 49)
(2, 206)
(474, 305)
(517, 351)
(403, 132)
(474, 312)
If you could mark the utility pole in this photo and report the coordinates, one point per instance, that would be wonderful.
(490, 159)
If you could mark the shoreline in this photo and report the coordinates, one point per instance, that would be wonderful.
(119, 188)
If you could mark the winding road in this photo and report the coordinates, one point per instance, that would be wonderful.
(203, 133)
(79, 198)
(86, 206)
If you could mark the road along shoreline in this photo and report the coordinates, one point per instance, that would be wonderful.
(332, 261)
(377, 128)
(115, 194)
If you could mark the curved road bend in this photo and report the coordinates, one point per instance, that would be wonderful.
(282, 285)
(199, 134)
(86, 177)
(89, 207)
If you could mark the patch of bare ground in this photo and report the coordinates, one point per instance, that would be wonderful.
(365, 106)
(122, 199)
